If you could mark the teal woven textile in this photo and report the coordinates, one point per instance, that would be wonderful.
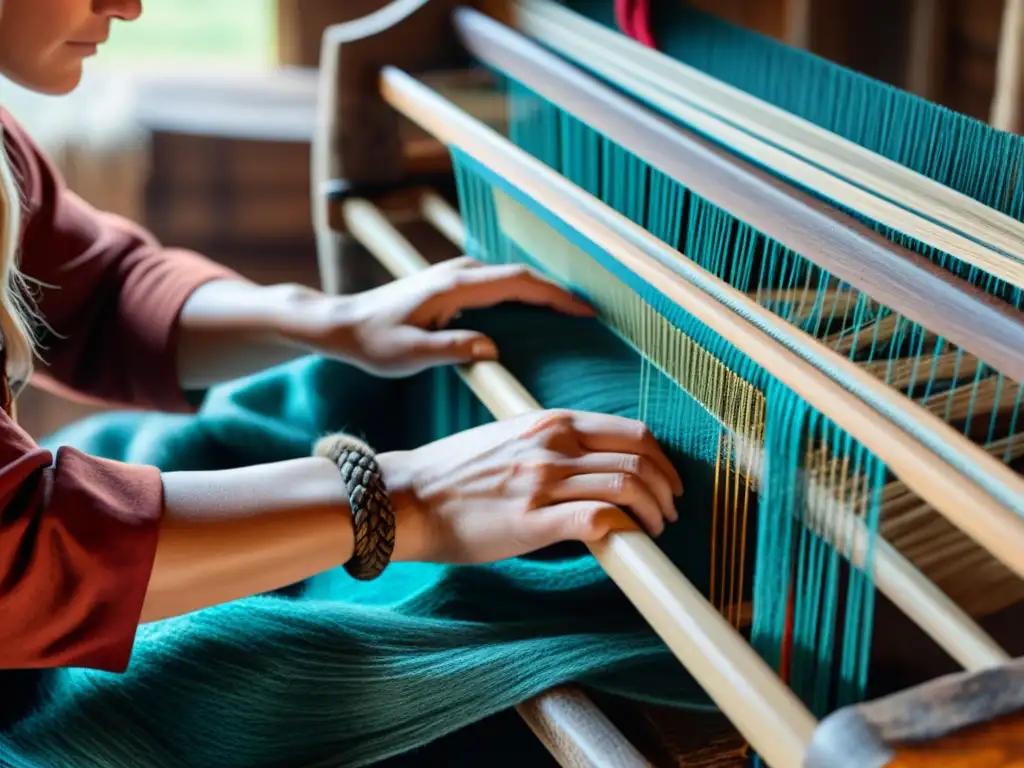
(336, 672)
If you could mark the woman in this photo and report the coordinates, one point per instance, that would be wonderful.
(90, 548)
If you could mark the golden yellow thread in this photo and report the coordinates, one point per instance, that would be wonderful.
(740, 409)
(714, 522)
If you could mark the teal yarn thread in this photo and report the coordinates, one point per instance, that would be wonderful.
(825, 673)
(754, 264)
(953, 149)
(335, 672)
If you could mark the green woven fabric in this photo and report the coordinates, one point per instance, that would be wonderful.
(338, 672)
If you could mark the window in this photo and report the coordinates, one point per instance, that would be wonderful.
(200, 65)
(195, 34)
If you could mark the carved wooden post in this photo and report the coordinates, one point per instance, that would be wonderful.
(1007, 110)
(357, 145)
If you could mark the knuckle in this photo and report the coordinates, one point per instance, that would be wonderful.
(539, 475)
(624, 486)
(553, 427)
(645, 469)
(558, 418)
(541, 466)
(548, 468)
(590, 521)
(634, 465)
(558, 438)
(597, 520)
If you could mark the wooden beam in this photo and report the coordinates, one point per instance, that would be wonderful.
(1007, 110)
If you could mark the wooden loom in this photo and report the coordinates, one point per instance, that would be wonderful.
(380, 163)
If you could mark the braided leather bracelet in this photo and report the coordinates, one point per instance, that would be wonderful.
(373, 518)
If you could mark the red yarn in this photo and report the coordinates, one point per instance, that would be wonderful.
(633, 18)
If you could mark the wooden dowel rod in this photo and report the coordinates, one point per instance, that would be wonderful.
(897, 578)
(745, 688)
(569, 724)
(577, 732)
(896, 277)
(446, 220)
(1008, 99)
(948, 489)
(909, 201)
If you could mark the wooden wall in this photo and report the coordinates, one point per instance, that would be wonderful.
(230, 194)
(945, 50)
(228, 176)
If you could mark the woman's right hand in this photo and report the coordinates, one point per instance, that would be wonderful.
(516, 486)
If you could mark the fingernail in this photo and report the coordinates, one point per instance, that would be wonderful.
(485, 349)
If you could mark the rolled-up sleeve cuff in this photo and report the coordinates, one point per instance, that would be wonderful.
(155, 302)
(90, 555)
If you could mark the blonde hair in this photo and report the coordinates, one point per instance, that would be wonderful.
(16, 313)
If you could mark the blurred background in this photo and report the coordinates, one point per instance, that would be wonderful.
(192, 122)
(196, 120)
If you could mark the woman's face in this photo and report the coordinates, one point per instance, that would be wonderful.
(43, 42)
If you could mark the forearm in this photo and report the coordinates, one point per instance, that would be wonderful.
(233, 533)
(229, 534)
(230, 329)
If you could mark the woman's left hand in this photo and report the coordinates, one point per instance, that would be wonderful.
(399, 329)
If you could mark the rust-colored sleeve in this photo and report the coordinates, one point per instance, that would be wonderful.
(110, 294)
(77, 541)
(78, 534)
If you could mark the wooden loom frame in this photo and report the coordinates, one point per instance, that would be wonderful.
(817, 159)
(774, 721)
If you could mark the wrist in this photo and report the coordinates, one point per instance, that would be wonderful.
(314, 321)
(241, 306)
(414, 531)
